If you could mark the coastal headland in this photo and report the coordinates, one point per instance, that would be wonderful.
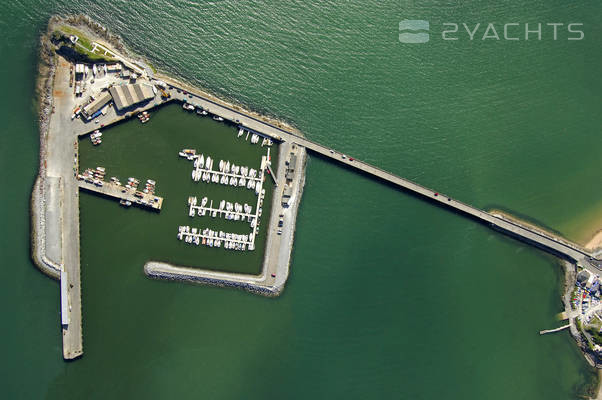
(64, 94)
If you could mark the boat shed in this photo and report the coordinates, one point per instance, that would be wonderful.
(126, 96)
(97, 104)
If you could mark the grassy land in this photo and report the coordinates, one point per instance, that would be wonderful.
(594, 331)
(84, 45)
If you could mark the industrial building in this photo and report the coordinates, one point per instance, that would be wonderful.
(126, 96)
(96, 105)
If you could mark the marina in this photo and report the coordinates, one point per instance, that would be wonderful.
(228, 174)
(232, 175)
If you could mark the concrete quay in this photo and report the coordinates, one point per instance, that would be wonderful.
(56, 202)
(122, 193)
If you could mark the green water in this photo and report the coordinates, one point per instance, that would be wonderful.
(389, 297)
(150, 151)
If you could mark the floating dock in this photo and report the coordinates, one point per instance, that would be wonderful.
(255, 216)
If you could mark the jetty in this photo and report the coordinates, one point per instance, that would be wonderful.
(554, 330)
(120, 192)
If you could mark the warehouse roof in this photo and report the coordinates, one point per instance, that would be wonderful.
(127, 95)
(98, 103)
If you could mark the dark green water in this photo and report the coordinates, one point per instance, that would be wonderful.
(150, 151)
(389, 297)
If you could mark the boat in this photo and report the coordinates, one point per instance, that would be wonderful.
(217, 118)
(188, 107)
(204, 201)
(240, 132)
(201, 161)
(221, 165)
(208, 162)
(222, 204)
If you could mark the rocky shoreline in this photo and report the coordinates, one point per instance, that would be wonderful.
(44, 85)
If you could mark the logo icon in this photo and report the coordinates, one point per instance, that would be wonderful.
(413, 25)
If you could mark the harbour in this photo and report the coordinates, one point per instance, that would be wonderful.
(128, 96)
(327, 257)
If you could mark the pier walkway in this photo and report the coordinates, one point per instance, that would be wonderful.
(535, 237)
(121, 192)
(554, 330)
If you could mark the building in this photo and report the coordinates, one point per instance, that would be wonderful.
(287, 192)
(128, 95)
(79, 71)
(114, 68)
(96, 105)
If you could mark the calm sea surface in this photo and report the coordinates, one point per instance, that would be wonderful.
(389, 297)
